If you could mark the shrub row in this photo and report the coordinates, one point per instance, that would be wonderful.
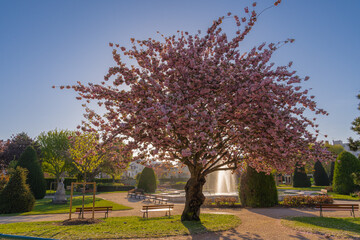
(67, 182)
(178, 185)
(306, 201)
(220, 201)
(110, 188)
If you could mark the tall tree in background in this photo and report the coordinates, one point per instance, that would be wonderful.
(200, 100)
(355, 144)
(15, 146)
(84, 152)
(55, 154)
(35, 178)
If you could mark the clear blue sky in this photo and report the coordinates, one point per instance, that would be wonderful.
(45, 43)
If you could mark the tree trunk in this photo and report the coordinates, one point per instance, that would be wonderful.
(194, 198)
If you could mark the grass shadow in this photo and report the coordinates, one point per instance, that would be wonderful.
(195, 227)
(351, 225)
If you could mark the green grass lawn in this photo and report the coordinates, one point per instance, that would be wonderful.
(124, 227)
(67, 192)
(44, 206)
(334, 226)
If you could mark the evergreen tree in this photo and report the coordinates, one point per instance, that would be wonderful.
(300, 177)
(331, 176)
(320, 176)
(29, 160)
(16, 196)
(147, 180)
(257, 189)
(355, 144)
(345, 165)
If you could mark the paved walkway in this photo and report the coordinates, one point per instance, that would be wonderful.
(257, 223)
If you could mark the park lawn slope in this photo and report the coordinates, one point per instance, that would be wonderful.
(124, 227)
(349, 227)
(44, 206)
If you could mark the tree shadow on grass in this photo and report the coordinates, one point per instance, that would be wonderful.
(331, 224)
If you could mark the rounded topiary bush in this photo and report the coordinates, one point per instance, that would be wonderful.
(300, 178)
(147, 180)
(257, 189)
(320, 176)
(29, 160)
(345, 165)
(16, 197)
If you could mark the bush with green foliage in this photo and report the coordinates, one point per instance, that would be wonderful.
(331, 175)
(16, 197)
(300, 178)
(29, 160)
(4, 179)
(257, 189)
(147, 180)
(320, 176)
(345, 165)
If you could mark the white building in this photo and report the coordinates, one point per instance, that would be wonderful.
(133, 169)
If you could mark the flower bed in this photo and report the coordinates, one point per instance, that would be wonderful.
(220, 202)
(306, 201)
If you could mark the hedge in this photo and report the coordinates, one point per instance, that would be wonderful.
(111, 188)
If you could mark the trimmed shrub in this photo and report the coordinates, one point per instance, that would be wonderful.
(306, 201)
(35, 177)
(110, 188)
(320, 176)
(178, 185)
(331, 175)
(16, 197)
(257, 189)
(147, 180)
(345, 165)
(300, 178)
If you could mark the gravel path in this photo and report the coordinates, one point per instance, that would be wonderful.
(257, 223)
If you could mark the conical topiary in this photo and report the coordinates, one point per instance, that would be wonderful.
(345, 165)
(331, 175)
(257, 189)
(300, 178)
(35, 179)
(320, 176)
(147, 180)
(16, 197)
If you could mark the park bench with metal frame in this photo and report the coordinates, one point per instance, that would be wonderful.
(105, 210)
(338, 207)
(157, 208)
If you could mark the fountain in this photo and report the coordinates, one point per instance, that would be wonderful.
(221, 183)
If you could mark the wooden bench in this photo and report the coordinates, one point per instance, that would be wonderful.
(338, 207)
(106, 210)
(323, 192)
(157, 208)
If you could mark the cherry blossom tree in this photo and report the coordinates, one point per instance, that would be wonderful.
(202, 101)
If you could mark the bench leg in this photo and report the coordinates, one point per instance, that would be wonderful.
(321, 212)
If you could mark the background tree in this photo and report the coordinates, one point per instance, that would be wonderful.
(355, 144)
(257, 189)
(16, 196)
(345, 165)
(147, 180)
(54, 146)
(320, 176)
(200, 100)
(336, 149)
(15, 146)
(300, 178)
(85, 153)
(35, 178)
